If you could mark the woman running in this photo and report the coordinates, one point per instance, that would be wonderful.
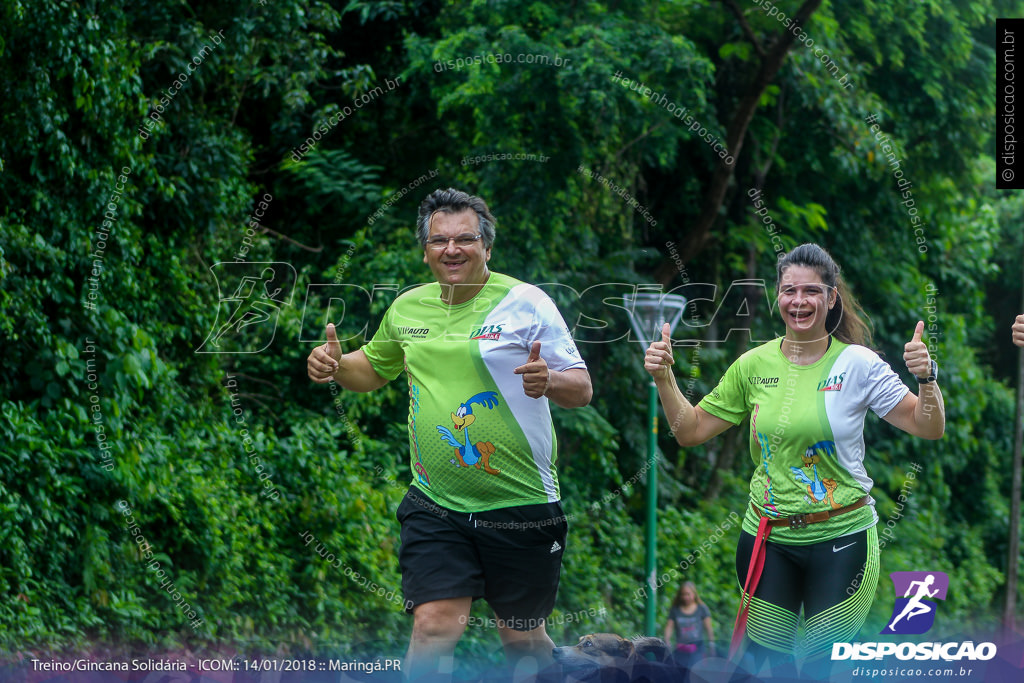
(807, 395)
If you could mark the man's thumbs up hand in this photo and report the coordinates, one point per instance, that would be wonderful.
(323, 361)
(332, 346)
(535, 373)
(534, 352)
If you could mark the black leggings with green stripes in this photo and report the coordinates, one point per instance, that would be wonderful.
(833, 581)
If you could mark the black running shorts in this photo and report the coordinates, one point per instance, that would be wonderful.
(511, 557)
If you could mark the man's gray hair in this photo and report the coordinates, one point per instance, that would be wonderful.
(454, 201)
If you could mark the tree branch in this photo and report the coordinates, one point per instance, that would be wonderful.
(258, 379)
(761, 172)
(270, 409)
(315, 250)
(638, 138)
(737, 130)
(745, 25)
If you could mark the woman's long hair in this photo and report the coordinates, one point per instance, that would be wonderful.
(678, 600)
(845, 320)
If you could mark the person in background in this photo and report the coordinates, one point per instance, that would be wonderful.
(689, 625)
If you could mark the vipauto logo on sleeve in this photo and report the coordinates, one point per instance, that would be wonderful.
(917, 596)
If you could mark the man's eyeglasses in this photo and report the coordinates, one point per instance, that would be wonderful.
(464, 240)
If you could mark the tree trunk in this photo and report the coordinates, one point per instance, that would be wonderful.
(1013, 552)
(771, 62)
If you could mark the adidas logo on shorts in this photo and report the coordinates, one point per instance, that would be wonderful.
(555, 547)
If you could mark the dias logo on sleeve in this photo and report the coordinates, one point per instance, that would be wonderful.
(914, 612)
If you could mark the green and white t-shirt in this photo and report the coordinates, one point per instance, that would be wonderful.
(807, 432)
(477, 441)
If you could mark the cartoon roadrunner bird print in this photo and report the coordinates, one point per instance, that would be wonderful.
(817, 489)
(468, 454)
(766, 456)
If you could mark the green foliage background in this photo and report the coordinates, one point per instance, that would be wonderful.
(79, 79)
